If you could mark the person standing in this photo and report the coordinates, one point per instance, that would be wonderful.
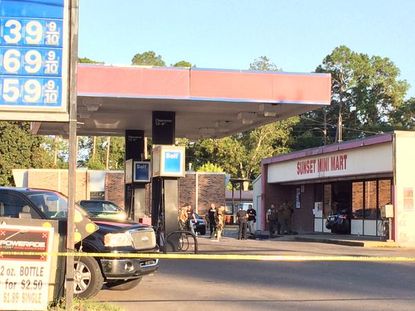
(284, 215)
(183, 218)
(220, 222)
(251, 219)
(273, 221)
(242, 217)
(191, 219)
(212, 220)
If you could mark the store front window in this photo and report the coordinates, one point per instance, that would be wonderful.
(357, 200)
(368, 196)
(370, 200)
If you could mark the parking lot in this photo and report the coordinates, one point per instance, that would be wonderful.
(258, 285)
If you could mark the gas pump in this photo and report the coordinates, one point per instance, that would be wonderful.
(168, 165)
(137, 175)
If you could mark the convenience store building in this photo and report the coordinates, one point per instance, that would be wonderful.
(361, 176)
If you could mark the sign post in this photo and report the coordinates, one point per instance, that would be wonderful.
(38, 69)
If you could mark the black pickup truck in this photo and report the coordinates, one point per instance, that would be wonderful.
(112, 236)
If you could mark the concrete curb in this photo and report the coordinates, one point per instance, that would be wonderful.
(358, 243)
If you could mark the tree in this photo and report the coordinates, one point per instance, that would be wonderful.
(240, 155)
(86, 60)
(148, 58)
(365, 93)
(210, 168)
(20, 149)
(404, 117)
(263, 63)
(183, 63)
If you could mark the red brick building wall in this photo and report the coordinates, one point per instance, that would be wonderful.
(197, 189)
(114, 187)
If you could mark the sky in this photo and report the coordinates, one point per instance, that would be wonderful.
(295, 35)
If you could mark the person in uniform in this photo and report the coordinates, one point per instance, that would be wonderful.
(284, 216)
(212, 220)
(251, 219)
(220, 222)
(242, 217)
(272, 219)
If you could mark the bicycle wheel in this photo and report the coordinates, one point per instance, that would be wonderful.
(184, 244)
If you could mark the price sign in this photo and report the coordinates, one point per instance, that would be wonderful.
(33, 55)
(24, 280)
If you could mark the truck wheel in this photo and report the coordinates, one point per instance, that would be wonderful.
(88, 279)
(123, 285)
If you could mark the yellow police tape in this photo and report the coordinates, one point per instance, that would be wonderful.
(281, 258)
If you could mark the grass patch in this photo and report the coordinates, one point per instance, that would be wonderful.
(86, 305)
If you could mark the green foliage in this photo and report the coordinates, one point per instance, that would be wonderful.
(148, 58)
(240, 155)
(86, 60)
(183, 63)
(95, 152)
(404, 116)
(365, 92)
(85, 305)
(210, 168)
(20, 149)
(263, 63)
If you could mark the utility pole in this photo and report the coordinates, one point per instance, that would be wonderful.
(70, 241)
(339, 136)
(107, 158)
(325, 126)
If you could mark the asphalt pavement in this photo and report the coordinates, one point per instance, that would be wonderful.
(257, 285)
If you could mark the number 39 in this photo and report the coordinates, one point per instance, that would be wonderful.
(33, 32)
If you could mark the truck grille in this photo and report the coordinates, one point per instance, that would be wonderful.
(143, 239)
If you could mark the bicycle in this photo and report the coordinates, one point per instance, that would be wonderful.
(177, 241)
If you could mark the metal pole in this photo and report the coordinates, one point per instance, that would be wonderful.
(70, 245)
(325, 127)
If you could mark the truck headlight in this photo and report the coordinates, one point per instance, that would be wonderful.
(117, 239)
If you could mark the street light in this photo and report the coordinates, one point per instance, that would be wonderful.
(324, 131)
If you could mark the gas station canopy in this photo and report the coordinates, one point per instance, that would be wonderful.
(207, 103)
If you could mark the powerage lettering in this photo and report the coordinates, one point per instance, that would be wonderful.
(22, 244)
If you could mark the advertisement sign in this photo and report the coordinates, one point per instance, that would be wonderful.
(34, 58)
(24, 280)
(168, 161)
(142, 171)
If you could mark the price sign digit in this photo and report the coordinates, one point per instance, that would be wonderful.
(32, 91)
(33, 61)
(34, 32)
(11, 61)
(13, 28)
(11, 92)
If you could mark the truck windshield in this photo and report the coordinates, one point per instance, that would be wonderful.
(52, 204)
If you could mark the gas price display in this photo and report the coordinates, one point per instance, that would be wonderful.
(32, 54)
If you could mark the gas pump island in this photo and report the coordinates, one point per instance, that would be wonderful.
(166, 166)
(165, 103)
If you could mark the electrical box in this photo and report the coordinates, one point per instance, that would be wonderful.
(387, 211)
